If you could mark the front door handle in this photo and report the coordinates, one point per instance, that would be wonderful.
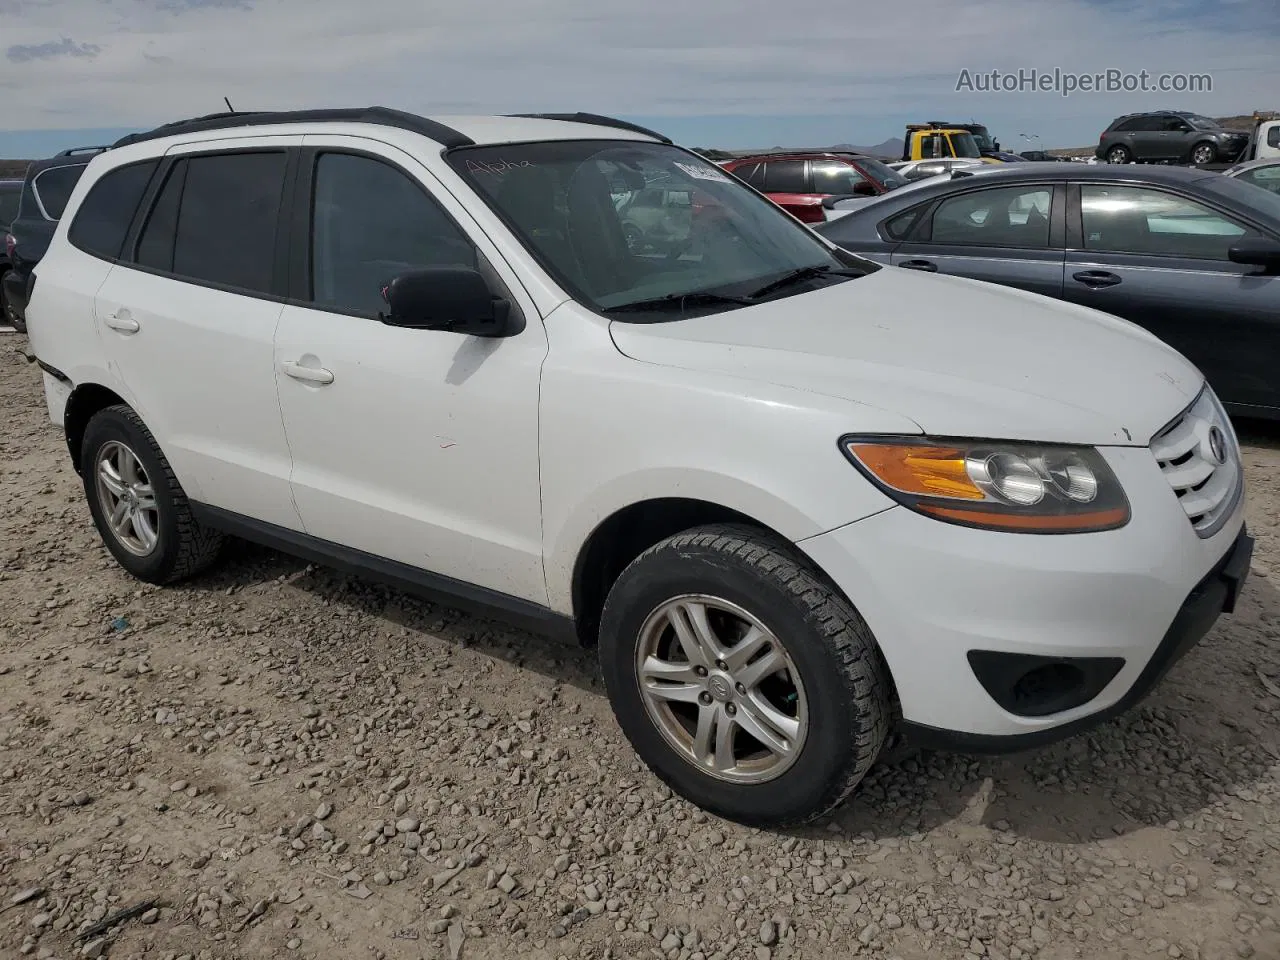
(318, 375)
(121, 321)
(928, 266)
(1096, 279)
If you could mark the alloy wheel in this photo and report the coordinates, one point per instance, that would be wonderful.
(722, 689)
(127, 498)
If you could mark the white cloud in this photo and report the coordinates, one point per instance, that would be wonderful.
(154, 60)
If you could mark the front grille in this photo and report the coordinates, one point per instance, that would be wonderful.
(1199, 456)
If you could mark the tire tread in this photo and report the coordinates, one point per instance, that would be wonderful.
(858, 659)
(198, 547)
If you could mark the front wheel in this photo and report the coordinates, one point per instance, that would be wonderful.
(1119, 155)
(1203, 153)
(743, 679)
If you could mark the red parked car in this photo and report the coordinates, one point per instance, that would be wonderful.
(799, 182)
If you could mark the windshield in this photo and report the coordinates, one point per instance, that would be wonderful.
(982, 137)
(9, 203)
(622, 223)
(1250, 196)
(882, 172)
(1203, 123)
(965, 145)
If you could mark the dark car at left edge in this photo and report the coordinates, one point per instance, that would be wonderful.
(45, 191)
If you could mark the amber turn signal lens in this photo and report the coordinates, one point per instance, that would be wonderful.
(1031, 523)
(918, 470)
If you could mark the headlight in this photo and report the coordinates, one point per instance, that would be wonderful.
(997, 485)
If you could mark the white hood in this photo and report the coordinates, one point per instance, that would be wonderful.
(959, 357)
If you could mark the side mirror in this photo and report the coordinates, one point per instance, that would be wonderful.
(863, 188)
(1259, 253)
(455, 299)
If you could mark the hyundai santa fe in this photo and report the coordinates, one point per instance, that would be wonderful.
(789, 514)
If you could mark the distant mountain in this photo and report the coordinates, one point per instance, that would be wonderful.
(13, 169)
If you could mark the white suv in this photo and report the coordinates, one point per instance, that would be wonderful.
(790, 512)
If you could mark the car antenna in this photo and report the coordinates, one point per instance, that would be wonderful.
(230, 108)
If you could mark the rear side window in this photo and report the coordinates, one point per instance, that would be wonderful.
(784, 176)
(53, 188)
(104, 217)
(215, 220)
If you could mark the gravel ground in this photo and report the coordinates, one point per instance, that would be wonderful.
(279, 761)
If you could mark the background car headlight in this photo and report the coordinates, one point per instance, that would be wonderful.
(997, 485)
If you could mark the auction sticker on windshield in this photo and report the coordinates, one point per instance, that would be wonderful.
(703, 173)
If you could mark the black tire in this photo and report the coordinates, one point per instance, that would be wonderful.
(1119, 154)
(1202, 153)
(7, 313)
(846, 683)
(183, 548)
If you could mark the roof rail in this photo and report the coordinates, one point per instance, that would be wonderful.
(594, 119)
(382, 116)
(76, 151)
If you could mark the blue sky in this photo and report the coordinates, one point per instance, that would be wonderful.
(731, 73)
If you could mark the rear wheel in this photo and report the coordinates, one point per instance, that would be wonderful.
(137, 504)
(743, 679)
(1118, 154)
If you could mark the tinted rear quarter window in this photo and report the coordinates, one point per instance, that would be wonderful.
(53, 188)
(228, 208)
(104, 217)
(752, 173)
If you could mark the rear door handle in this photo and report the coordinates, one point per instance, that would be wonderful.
(928, 266)
(317, 375)
(1096, 279)
(121, 321)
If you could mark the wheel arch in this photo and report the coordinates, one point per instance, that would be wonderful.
(85, 400)
(625, 534)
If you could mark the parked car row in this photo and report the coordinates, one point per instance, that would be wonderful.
(789, 513)
(1192, 256)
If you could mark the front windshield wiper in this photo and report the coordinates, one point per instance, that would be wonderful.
(802, 273)
(678, 301)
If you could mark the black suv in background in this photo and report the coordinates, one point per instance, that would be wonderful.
(43, 196)
(1169, 135)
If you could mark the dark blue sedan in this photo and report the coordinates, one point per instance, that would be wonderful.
(1190, 255)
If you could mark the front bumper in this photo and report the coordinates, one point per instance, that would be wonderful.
(1125, 603)
(1214, 595)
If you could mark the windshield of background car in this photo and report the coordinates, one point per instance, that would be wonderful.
(965, 145)
(9, 204)
(882, 172)
(618, 223)
(983, 138)
(1249, 196)
(1204, 123)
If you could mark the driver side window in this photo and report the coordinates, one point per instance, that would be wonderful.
(370, 223)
